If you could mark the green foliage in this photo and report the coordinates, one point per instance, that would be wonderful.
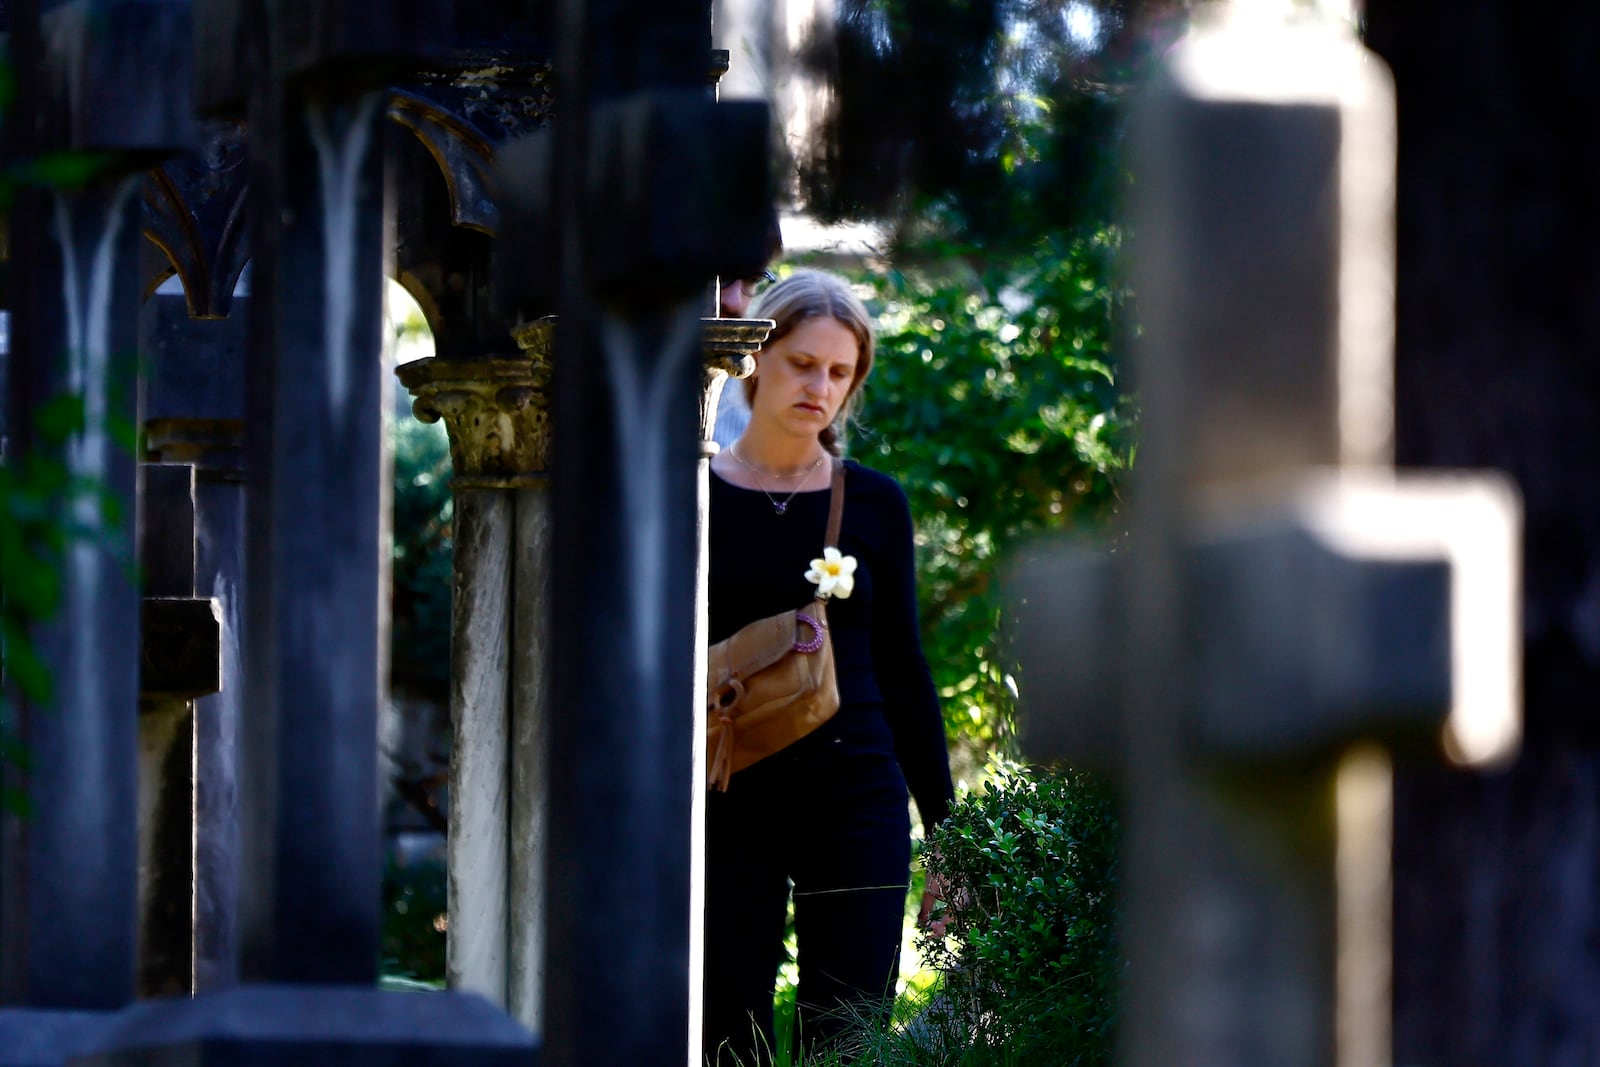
(413, 938)
(414, 895)
(1027, 947)
(1025, 950)
(423, 509)
(986, 122)
(995, 402)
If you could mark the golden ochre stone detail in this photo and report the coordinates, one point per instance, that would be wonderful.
(496, 411)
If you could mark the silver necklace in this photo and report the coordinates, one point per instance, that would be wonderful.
(778, 506)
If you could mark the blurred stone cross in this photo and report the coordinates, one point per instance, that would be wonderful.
(1287, 612)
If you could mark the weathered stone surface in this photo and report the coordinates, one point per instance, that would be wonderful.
(345, 42)
(98, 55)
(166, 855)
(40, 1038)
(313, 664)
(68, 910)
(1240, 713)
(728, 352)
(530, 754)
(497, 413)
(648, 237)
(462, 108)
(312, 1026)
(480, 642)
(166, 529)
(68, 883)
(195, 219)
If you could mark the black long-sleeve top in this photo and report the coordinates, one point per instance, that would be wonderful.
(886, 694)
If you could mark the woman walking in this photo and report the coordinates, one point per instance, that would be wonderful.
(829, 813)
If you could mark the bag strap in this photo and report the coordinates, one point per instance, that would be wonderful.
(835, 505)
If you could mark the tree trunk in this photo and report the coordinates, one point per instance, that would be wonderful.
(1497, 874)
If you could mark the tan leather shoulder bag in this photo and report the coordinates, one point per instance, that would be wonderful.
(771, 683)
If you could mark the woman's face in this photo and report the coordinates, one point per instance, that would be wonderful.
(804, 377)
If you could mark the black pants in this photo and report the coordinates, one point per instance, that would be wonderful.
(836, 826)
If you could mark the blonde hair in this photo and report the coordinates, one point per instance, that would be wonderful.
(812, 294)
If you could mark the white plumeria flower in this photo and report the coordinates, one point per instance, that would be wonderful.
(834, 574)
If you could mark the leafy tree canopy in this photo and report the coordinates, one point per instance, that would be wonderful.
(994, 402)
(987, 135)
(982, 122)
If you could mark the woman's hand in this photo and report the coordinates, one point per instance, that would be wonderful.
(935, 891)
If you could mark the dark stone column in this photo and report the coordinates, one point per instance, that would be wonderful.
(314, 448)
(70, 864)
(73, 334)
(645, 211)
(314, 535)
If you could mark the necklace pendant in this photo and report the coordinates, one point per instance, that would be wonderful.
(781, 508)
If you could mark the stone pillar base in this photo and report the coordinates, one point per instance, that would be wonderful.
(37, 1037)
(312, 1026)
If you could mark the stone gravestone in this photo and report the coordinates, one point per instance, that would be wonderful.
(180, 660)
(194, 401)
(193, 343)
(1286, 610)
(68, 880)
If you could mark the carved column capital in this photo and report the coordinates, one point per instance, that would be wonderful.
(497, 413)
(728, 348)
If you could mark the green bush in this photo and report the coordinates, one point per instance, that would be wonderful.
(1028, 950)
(995, 402)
